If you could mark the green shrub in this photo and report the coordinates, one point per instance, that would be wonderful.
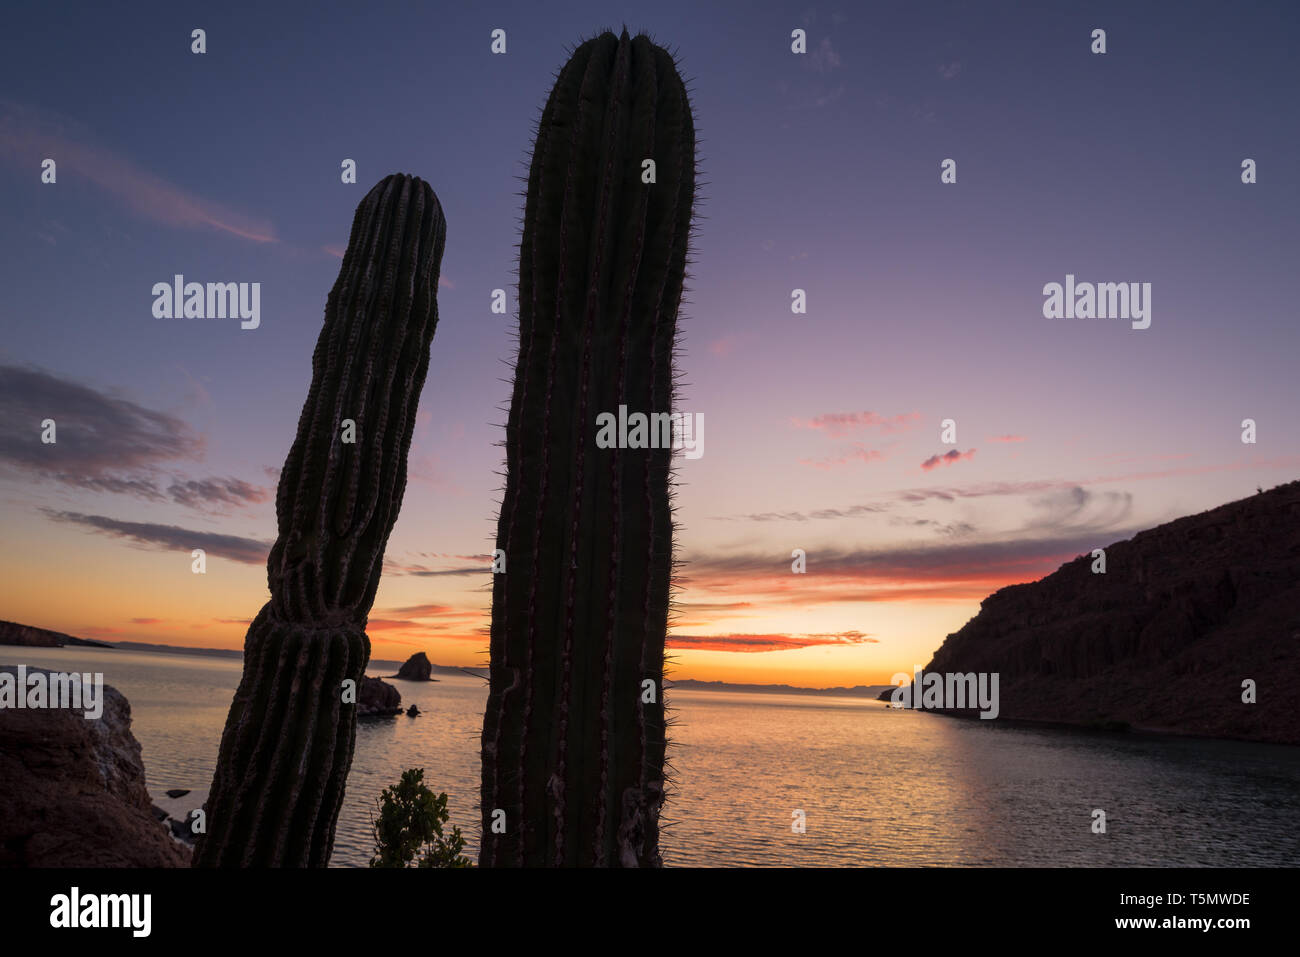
(411, 819)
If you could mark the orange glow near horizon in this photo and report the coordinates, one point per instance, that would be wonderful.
(764, 632)
(736, 618)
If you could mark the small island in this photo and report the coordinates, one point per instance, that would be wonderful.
(417, 668)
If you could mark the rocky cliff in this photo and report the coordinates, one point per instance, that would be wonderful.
(1164, 639)
(72, 791)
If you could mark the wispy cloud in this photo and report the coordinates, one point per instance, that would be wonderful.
(454, 556)
(1076, 507)
(714, 607)
(205, 493)
(28, 136)
(1006, 438)
(857, 452)
(834, 514)
(168, 537)
(424, 571)
(840, 424)
(769, 642)
(943, 528)
(979, 490)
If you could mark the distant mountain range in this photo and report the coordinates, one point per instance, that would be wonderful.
(1165, 639)
(857, 691)
(178, 650)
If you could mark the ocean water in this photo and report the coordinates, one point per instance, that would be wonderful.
(876, 787)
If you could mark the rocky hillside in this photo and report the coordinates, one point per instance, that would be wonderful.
(1184, 613)
(12, 633)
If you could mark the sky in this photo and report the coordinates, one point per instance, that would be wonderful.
(820, 171)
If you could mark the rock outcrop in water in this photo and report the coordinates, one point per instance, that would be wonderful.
(1164, 639)
(72, 791)
(417, 668)
(377, 699)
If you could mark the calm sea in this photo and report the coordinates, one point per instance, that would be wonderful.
(876, 786)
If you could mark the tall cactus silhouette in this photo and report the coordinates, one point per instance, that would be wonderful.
(573, 733)
(287, 745)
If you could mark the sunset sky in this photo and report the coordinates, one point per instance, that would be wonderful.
(822, 431)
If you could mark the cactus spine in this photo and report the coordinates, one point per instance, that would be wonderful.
(287, 744)
(573, 740)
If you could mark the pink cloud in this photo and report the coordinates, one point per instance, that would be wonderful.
(951, 457)
(1006, 438)
(838, 424)
(857, 453)
(27, 137)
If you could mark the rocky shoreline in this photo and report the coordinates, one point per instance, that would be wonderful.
(74, 790)
(376, 698)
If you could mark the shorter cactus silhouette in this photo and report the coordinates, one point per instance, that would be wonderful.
(287, 745)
